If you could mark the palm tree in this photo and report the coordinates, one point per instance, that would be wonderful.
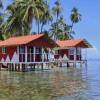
(21, 14)
(14, 24)
(57, 9)
(46, 18)
(75, 16)
(33, 9)
(1, 6)
(1, 20)
(63, 30)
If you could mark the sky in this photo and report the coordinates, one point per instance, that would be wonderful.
(88, 28)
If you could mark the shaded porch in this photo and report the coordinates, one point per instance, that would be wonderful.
(33, 54)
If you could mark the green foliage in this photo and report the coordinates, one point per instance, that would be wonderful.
(75, 16)
(21, 13)
(60, 30)
(1, 20)
(14, 24)
(57, 9)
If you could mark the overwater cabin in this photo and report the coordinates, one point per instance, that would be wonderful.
(30, 49)
(72, 50)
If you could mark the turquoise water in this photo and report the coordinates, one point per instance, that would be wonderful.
(59, 84)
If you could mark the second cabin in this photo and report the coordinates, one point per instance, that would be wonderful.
(72, 50)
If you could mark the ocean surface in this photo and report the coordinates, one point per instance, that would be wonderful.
(80, 83)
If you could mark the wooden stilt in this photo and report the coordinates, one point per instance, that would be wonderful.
(23, 67)
(31, 66)
(68, 64)
(8, 66)
(18, 67)
(60, 64)
(12, 65)
(0, 66)
(48, 65)
(34, 66)
(42, 66)
(74, 64)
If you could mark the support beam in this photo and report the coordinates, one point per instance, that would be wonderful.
(23, 67)
(34, 66)
(42, 66)
(34, 52)
(0, 67)
(42, 54)
(75, 58)
(49, 54)
(25, 53)
(18, 52)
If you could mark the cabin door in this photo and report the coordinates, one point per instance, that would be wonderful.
(22, 53)
(34, 54)
(31, 54)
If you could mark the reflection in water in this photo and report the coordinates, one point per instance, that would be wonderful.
(62, 84)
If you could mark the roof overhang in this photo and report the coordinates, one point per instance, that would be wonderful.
(24, 40)
(83, 43)
(87, 44)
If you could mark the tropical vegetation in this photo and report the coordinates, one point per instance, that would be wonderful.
(21, 14)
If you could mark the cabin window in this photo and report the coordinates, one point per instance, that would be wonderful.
(22, 49)
(71, 51)
(38, 50)
(31, 49)
(4, 50)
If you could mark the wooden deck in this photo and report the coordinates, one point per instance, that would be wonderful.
(24, 66)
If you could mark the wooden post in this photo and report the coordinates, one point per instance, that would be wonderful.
(42, 55)
(80, 54)
(8, 66)
(0, 66)
(25, 53)
(41, 66)
(75, 57)
(68, 65)
(16, 67)
(12, 65)
(20, 66)
(23, 67)
(60, 64)
(49, 55)
(18, 51)
(34, 66)
(34, 53)
(48, 66)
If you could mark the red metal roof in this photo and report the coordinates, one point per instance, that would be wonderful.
(74, 42)
(20, 40)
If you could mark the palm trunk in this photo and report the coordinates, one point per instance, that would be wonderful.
(56, 27)
(72, 27)
(30, 27)
(38, 27)
(71, 30)
(42, 27)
